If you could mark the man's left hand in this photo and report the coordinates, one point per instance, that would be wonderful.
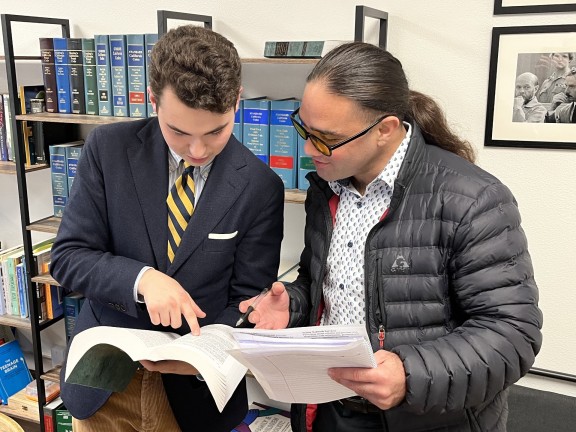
(384, 386)
(170, 366)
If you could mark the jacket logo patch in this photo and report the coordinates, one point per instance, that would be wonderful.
(400, 265)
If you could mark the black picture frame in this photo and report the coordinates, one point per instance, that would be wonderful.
(164, 15)
(518, 7)
(363, 12)
(513, 48)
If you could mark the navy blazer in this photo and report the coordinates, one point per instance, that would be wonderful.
(115, 223)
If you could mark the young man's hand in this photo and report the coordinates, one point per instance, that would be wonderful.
(167, 301)
(170, 366)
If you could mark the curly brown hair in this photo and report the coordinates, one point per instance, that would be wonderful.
(202, 68)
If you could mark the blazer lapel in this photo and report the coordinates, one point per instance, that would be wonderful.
(148, 160)
(223, 188)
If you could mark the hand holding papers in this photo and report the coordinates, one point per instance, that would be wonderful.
(291, 365)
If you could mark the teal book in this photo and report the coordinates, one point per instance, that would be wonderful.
(77, 92)
(90, 76)
(283, 141)
(103, 75)
(11, 262)
(150, 40)
(119, 75)
(136, 60)
(256, 127)
(62, 67)
(22, 288)
(59, 179)
(14, 373)
(72, 157)
(238, 121)
(305, 165)
(49, 74)
(72, 306)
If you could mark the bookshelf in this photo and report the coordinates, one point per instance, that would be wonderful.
(19, 406)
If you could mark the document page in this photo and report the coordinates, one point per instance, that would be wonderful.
(292, 365)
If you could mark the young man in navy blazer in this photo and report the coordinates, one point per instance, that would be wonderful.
(112, 242)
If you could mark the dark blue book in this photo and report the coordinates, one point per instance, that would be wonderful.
(90, 76)
(119, 75)
(239, 121)
(62, 66)
(283, 141)
(103, 75)
(49, 74)
(136, 51)
(256, 133)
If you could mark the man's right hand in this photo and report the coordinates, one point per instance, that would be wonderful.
(557, 99)
(167, 301)
(272, 311)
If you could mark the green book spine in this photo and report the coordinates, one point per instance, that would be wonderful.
(90, 76)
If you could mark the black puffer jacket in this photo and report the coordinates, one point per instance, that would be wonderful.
(449, 276)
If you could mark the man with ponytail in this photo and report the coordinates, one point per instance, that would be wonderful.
(405, 235)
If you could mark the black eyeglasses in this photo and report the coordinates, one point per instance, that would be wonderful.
(318, 143)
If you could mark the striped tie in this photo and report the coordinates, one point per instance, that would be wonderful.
(180, 203)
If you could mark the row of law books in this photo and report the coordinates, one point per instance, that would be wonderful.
(14, 291)
(105, 75)
(264, 126)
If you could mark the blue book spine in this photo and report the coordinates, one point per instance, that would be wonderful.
(57, 301)
(256, 133)
(62, 66)
(136, 74)
(119, 75)
(59, 178)
(90, 76)
(238, 121)
(22, 289)
(150, 40)
(305, 165)
(72, 157)
(283, 141)
(14, 373)
(103, 75)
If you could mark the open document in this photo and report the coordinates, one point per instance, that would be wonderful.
(290, 364)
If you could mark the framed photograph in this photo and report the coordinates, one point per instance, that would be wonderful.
(532, 87)
(502, 7)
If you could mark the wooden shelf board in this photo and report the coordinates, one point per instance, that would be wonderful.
(52, 375)
(10, 167)
(19, 406)
(45, 278)
(73, 118)
(15, 321)
(265, 60)
(294, 196)
(48, 225)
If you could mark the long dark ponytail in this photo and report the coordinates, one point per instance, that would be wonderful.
(375, 80)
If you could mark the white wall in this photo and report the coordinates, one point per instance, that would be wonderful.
(445, 49)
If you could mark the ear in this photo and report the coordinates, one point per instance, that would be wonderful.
(238, 100)
(387, 129)
(152, 99)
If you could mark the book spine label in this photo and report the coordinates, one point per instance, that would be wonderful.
(256, 126)
(150, 40)
(59, 179)
(77, 90)
(118, 75)
(49, 74)
(103, 75)
(90, 76)
(136, 75)
(283, 142)
(62, 65)
(72, 157)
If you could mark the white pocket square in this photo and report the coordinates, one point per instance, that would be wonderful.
(223, 236)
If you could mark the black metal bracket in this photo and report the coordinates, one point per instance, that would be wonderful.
(364, 11)
(164, 16)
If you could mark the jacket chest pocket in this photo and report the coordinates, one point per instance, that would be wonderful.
(220, 242)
